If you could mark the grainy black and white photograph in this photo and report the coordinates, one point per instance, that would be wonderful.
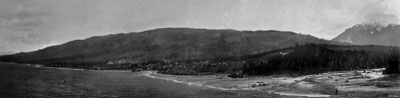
(200, 48)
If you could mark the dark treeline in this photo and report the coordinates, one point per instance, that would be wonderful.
(393, 64)
(310, 59)
(302, 59)
(297, 60)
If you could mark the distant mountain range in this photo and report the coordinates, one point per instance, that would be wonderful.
(166, 44)
(371, 34)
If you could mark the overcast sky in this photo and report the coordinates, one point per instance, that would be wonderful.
(27, 25)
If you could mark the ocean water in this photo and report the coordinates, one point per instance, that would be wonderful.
(23, 81)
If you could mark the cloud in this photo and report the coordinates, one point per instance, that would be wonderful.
(377, 11)
(25, 38)
(21, 18)
(21, 23)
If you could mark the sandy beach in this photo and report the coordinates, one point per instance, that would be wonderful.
(327, 84)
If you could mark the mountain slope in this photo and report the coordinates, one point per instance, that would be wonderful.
(371, 34)
(165, 44)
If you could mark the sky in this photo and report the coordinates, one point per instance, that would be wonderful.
(27, 25)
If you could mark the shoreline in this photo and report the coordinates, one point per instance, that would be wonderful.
(152, 74)
(305, 86)
(325, 84)
(78, 69)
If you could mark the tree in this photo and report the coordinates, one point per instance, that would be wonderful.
(393, 62)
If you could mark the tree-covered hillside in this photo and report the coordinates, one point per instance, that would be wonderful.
(165, 44)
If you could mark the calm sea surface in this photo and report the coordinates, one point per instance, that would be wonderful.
(24, 81)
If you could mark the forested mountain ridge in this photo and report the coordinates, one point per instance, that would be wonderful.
(199, 51)
(165, 44)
